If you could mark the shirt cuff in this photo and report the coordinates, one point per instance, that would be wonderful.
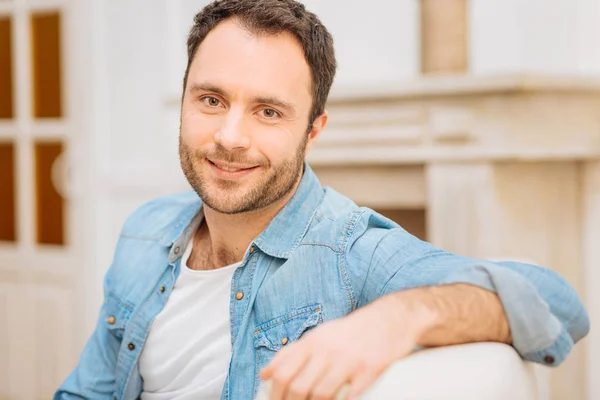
(537, 334)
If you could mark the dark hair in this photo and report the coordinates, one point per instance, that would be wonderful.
(273, 17)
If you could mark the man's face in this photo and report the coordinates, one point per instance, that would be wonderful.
(244, 118)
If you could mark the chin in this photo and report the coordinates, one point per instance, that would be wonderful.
(227, 201)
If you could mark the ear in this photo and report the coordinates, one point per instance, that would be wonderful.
(317, 126)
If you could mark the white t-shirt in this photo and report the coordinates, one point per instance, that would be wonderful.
(188, 349)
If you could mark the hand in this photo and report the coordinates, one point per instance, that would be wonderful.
(352, 351)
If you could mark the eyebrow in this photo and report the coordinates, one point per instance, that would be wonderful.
(272, 100)
(206, 87)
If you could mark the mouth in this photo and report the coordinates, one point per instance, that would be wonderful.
(230, 171)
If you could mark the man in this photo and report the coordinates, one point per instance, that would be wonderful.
(261, 274)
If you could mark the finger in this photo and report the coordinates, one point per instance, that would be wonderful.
(343, 393)
(280, 357)
(301, 387)
(331, 382)
(284, 371)
(361, 382)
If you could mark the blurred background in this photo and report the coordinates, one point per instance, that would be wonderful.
(473, 123)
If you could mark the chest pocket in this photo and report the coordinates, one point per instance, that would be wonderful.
(115, 314)
(284, 330)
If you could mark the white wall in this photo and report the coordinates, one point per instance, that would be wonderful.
(535, 36)
(142, 143)
(376, 41)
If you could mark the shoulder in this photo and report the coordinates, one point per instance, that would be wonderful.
(362, 232)
(353, 218)
(142, 252)
(338, 219)
(160, 218)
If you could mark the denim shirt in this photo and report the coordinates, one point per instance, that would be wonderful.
(319, 259)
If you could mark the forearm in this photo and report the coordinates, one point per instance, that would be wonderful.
(450, 314)
(544, 312)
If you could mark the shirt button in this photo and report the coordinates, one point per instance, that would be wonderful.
(284, 341)
(131, 346)
(111, 320)
(251, 249)
(163, 289)
(239, 295)
(177, 250)
(549, 359)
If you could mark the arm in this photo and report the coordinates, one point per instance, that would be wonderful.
(94, 376)
(545, 315)
(450, 314)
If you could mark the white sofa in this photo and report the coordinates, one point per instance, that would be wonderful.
(480, 371)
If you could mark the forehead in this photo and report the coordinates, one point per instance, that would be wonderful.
(237, 60)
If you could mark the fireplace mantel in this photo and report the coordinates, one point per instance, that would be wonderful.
(463, 119)
(453, 85)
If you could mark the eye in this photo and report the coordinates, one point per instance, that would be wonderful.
(269, 113)
(211, 101)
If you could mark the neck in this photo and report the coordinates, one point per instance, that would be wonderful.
(232, 233)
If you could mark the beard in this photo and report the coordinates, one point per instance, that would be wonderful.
(231, 197)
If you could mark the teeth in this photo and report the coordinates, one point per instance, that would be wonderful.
(229, 169)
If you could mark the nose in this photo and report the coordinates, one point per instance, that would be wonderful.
(233, 134)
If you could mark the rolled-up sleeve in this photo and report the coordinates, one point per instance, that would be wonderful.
(545, 314)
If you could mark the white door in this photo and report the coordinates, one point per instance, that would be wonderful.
(38, 221)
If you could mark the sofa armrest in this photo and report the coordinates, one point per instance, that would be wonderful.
(490, 371)
(474, 371)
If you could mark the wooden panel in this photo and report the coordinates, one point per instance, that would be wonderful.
(6, 78)
(4, 344)
(46, 60)
(20, 330)
(444, 36)
(39, 334)
(49, 203)
(54, 340)
(7, 193)
(591, 261)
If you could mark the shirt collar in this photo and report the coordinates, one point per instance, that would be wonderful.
(289, 226)
(282, 235)
(191, 222)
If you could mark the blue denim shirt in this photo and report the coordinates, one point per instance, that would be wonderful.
(319, 259)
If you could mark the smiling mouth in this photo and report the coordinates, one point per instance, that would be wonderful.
(230, 168)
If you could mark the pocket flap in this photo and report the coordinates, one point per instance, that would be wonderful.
(287, 328)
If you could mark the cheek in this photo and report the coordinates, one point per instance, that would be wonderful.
(197, 128)
(277, 145)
